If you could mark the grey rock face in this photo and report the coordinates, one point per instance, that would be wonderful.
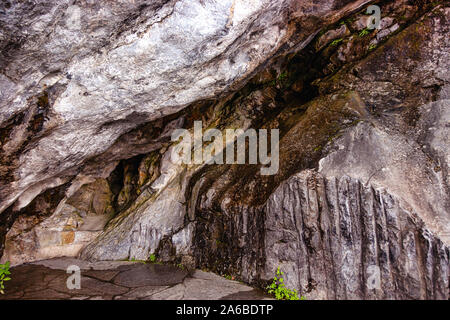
(339, 239)
(405, 148)
(77, 79)
(101, 70)
(385, 158)
(347, 238)
(157, 213)
(359, 208)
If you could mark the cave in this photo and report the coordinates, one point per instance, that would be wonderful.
(94, 96)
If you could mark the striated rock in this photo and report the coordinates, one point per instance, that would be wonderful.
(387, 147)
(77, 77)
(339, 239)
(385, 158)
(80, 85)
(359, 208)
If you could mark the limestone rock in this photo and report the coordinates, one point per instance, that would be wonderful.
(85, 76)
(339, 239)
(359, 206)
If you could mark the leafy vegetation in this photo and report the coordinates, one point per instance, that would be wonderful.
(364, 32)
(180, 266)
(372, 47)
(279, 290)
(282, 76)
(282, 80)
(4, 273)
(152, 258)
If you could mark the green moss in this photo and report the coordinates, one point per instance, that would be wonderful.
(136, 260)
(336, 42)
(180, 266)
(364, 32)
(318, 148)
(350, 20)
(282, 77)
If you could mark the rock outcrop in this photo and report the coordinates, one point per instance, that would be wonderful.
(360, 205)
(77, 77)
(339, 239)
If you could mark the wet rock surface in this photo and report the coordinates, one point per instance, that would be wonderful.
(126, 65)
(47, 280)
(345, 240)
(360, 205)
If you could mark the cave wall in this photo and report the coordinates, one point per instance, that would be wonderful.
(359, 208)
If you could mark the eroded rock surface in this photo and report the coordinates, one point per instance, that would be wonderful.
(127, 65)
(47, 280)
(340, 239)
(360, 205)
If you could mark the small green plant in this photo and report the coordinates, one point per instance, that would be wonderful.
(180, 266)
(279, 290)
(282, 76)
(349, 21)
(152, 258)
(364, 32)
(435, 3)
(282, 80)
(336, 42)
(372, 47)
(4, 273)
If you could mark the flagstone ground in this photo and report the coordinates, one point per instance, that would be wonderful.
(121, 280)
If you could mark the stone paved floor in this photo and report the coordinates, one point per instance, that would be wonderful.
(121, 280)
